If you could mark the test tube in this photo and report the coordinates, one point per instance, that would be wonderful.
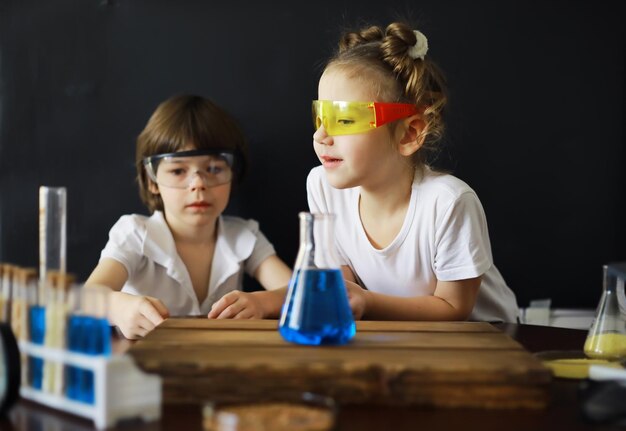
(89, 333)
(52, 230)
(56, 317)
(23, 296)
(40, 327)
(52, 252)
(5, 291)
(23, 280)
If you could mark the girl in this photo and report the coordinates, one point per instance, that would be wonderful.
(413, 241)
(187, 255)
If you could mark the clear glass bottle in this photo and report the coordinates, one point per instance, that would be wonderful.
(607, 335)
(316, 309)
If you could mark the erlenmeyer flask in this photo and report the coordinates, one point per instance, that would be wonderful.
(316, 309)
(607, 335)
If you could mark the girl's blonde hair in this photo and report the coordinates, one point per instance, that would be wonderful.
(381, 59)
(182, 121)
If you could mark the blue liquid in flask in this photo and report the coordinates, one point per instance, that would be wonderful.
(317, 311)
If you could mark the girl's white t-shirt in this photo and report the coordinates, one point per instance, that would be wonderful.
(444, 237)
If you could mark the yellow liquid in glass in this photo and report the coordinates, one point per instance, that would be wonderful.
(606, 346)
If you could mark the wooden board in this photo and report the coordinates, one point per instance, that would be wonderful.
(443, 364)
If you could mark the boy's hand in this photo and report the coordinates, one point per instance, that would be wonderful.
(136, 315)
(237, 305)
(357, 297)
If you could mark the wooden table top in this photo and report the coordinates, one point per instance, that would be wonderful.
(562, 411)
(434, 364)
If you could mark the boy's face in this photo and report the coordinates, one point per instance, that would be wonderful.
(363, 159)
(198, 202)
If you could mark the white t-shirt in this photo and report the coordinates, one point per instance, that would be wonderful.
(444, 237)
(146, 248)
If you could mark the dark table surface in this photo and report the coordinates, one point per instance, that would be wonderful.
(562, 413)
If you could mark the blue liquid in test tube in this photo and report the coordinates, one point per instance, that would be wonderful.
(37, 325)
(90, 335)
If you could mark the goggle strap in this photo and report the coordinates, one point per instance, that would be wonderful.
(389, 112)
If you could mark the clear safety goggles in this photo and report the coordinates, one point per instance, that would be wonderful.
(178, 170)
(347, 118)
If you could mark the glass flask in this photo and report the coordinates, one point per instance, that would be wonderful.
(607, 335)
(316, 309)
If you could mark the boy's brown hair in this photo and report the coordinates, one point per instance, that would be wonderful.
(187, 121)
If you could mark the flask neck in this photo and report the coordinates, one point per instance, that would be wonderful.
(317, 242)
(307, 240)
(612, 299)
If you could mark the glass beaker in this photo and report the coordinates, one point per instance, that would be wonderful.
(607, 335)
(316, 309)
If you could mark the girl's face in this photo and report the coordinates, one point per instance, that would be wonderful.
(196, 205)
(364, 159)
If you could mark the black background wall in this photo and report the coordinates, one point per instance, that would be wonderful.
(535, 120)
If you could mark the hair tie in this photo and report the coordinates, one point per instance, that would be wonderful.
(420, 48)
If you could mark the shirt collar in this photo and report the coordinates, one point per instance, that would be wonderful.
(233, 246)
(158, 243)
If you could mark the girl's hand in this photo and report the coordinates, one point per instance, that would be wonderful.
(237, 305)
(357, 297)
(136, 315)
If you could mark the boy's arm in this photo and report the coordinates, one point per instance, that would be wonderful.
(452, 300)
(273, 274)
(134, 315)
(249, 305)
(109, 272)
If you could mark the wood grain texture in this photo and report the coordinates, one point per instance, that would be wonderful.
(361, 325)
(442, 364)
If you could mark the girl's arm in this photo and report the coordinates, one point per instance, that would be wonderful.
(452, 300)
(134, 315)
(273, 274)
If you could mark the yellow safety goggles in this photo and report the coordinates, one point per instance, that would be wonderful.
(348, 118)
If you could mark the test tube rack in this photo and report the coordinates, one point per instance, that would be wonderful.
(122, 391)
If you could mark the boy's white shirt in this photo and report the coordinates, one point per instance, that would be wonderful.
(444, 237)
(146, 248)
